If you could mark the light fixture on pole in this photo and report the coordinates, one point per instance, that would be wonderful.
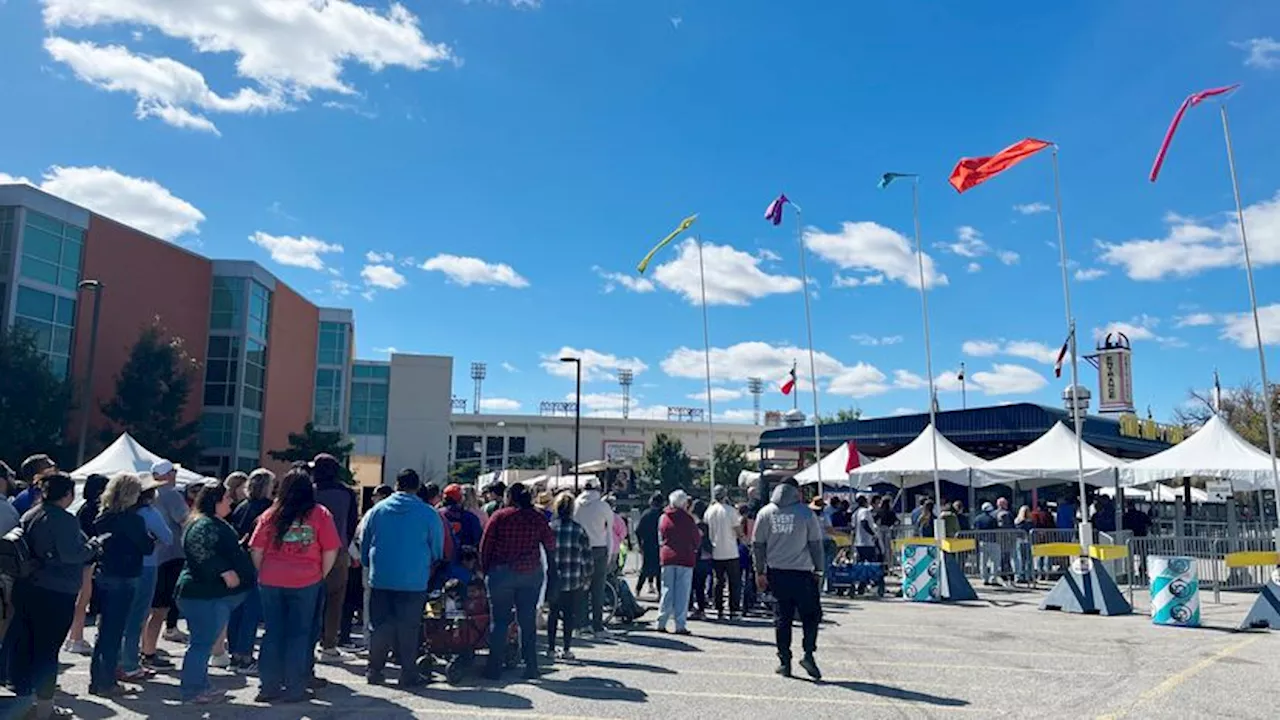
(755, 386)
(577, 419)
(87, 400)
(478, 371)
(625, 378)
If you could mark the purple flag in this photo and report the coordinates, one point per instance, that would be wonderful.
(774, 212)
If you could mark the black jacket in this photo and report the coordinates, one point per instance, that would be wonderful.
(54, 537)
(122, 553)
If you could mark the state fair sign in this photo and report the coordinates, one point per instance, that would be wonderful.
(623, 452)
(1115, 380)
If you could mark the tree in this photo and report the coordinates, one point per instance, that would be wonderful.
(667, 465)
(304, 446)
(540, 461)
(151, 393)
(1242, 408)
(33, 402)
(465, 473)
(731, 460)
(843, 415)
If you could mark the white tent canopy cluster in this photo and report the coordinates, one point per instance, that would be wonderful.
(128, 455)
(1214, 451)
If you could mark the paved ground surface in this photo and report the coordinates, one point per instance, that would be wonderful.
(998, 657)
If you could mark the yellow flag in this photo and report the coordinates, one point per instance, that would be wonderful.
(684, 225)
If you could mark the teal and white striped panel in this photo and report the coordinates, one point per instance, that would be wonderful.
(1175, 591)
(920, 573)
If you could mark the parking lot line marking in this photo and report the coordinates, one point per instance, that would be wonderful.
(813, 700)
(1173, 681)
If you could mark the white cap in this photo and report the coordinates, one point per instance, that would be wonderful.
(161, 467)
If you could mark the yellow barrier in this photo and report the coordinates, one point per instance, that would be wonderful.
(958, 545)
(1056, 549)
(1108, 552)
(1253, 558)
(842, 540)
(903, 542)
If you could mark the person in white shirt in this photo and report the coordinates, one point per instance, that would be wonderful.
(596, 517)
(865, 542)
(725, 530)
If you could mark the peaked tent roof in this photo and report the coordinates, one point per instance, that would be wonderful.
(1050, 460)
(833, 466)
(1215, 450)
(913, 464)
(128, 455)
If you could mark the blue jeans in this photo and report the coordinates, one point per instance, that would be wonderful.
(508, 590)
(205, 618)
(677, 583)
(242, 628)
(284, 665)
(115, 598)
(139, 609)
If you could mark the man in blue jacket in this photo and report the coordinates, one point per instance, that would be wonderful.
(402, 540)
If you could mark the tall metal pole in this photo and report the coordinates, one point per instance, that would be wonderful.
(706, 344)
(96, 287)
(1086, 528)
(939, 525)
(577, 427)
(1257, 327)
(964, 390)
(813, 370)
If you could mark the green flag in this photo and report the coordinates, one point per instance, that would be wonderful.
(889, 177)
(684, 225)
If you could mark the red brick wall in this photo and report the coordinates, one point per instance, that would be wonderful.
(291, 370)
(143, 277)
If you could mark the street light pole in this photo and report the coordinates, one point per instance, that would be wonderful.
(577, 420)
(87, 400)
(503, 424)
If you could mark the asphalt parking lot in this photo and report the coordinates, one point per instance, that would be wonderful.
(997, 657)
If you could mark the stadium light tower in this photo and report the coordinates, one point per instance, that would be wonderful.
(625, 378)
(478, 371)
(755, 386)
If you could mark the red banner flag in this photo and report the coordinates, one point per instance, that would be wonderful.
(790, 384)
(970, 172)
(1191, 101)
(853, 462)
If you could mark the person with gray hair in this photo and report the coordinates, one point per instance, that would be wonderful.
(725, 531)
(678, 538)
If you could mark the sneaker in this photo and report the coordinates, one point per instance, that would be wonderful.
(376, 679)
(566, 656)
(265, 697)
(135, 676)
(78, 647)
(176, 635)
(245, 667)
(208, 697)
(783, 669)
(317, 683)
(220, 661)
(811, 667)
(155, 661)
(115, 690)
(334, 655)
(683, 631)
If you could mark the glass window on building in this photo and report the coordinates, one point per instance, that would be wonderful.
(226, 308)
(51, 251)
(8, 217)
(515, 446)
(493, 447)
(50, 319)
(250, 434)
(333, 343)
(372, 372)
(468, 447)
(216, 430)
(215, 465)
(368, 408)
(246, 464)
(222, 371)
(328, 400)
(259, 310)
(255, 374)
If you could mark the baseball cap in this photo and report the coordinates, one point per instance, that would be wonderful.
(149, 482)
(988, 507)
(161, 467)
(453, 491)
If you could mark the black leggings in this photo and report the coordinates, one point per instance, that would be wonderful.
(562, 611)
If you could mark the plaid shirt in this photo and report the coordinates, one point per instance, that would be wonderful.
(572, 563)
(512, 537)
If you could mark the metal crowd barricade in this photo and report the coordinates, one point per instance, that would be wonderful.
(999, 554)
(1203, 551)
(1051, 567)
(1252, 577)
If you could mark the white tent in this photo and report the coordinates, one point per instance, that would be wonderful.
(1050, 460)
(913, 464)
(832, 465)
(1215, 450)
(747, 477)
(127, 455)
(1161, 493)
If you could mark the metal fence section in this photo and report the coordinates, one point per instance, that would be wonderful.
(999, 556)
(1209, 555)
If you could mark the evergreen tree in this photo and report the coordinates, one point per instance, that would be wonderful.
(33, 402)
(152, 390)
(304, 446)
(731, 460)
(666, 464)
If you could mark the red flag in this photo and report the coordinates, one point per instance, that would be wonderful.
(970, 172)
(1191, 101)
(1062, 354)
(853, 461)
(790, 384)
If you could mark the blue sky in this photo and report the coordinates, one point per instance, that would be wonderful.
(480, 178)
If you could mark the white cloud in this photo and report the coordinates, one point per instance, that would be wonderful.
(1238, 327)
(138, 202)
(904, 411)
(718, 394)
(733, 277)
(980, 348)
(289, 48)
(1008, 257)
(596, 365)
(1087, 274)
(378, 258)
(1032, 351)
(612, 280)
(873, 248)
(498, 404)
(768, 255)
(467, 271)
(1032, 208)
(382, 276)
(1193, 246)
(302, 251)
(1005, 379)
(845, 281)
(340, 287)
(737, 415)
(1196, 320)
(861, 380)
(386, 350)
(164, 88)
(7, 179)
(746, 359)
(1140, 327)
(1264, 52)
(973, 267)
(968, 243)
(873, 341)
(510, 368)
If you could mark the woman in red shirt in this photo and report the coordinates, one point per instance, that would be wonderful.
(294, 545)
(678, 539)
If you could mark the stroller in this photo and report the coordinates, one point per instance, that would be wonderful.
(455, 625)
(848, 576)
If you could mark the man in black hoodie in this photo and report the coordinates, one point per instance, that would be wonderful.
(647, 534)
(341, 502)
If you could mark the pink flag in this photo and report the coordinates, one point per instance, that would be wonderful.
(1191, 101)
(773, 213)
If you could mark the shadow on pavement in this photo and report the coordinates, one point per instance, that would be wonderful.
(661, 643)
(475, 697)
(639, 667)
(894, 693)
(589, 688)
(751, 642)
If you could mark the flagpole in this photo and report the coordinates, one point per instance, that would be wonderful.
(964, 390)
(938, 525)
(706, 344)
(1257, 327)
(808, 322)
(1086, 528)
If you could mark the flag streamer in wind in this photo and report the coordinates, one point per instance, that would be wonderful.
(1062, 355)
(1191, 101)
(773, 213)
(971, 172)
(684, 225)
(853, 462)
(889, 177)
(790, 384)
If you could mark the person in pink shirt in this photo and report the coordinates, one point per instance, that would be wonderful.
(294, 545)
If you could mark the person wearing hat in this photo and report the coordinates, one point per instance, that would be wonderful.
(131, 669)
(596, 517)
(725, 531)
(464, 525)
(989, 553)
(173, 507)
(341, 502)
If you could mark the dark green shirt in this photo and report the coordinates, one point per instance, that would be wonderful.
(212, 547)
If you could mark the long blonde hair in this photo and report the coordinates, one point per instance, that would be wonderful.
(121, 494)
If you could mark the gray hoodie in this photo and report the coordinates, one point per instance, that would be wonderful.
(787, 535)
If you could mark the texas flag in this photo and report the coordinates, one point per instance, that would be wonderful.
(854, 461)
(790, 384)
(1062, 356)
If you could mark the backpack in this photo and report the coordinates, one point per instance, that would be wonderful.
(16, 558)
